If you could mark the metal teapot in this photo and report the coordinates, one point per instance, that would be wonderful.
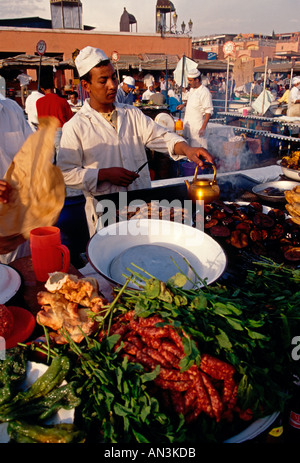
(203, 189)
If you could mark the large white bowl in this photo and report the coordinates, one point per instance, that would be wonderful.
(202, 252)
(291, 173)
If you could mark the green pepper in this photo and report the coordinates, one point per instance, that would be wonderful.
(12, 373)
(52, 378)
(64, 433)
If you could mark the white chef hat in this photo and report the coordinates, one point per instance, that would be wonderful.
(296, 80)
(193, 73)
(88, 58)
(129, 81)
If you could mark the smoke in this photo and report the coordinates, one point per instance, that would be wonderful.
(231, 152)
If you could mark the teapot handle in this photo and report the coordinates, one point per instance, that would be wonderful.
(206, 163)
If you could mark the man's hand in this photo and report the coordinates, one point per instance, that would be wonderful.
(180, 107)
(201, 132)
(5, 189)
(194, 154)
(117, 176)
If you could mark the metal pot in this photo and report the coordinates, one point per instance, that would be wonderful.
(203, 189)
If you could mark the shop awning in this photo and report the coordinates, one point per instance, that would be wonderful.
(28, 61)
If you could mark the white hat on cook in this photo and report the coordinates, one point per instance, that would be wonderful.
(296, 80)
(193, 73)
(129, 81)
(88, 58)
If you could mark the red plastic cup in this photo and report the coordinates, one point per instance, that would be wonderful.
(47, 252)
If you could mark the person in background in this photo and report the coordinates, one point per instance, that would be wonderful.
(163, 85)
(258, 87)
(74, 102)
(30, 108)
(198, 110)
(24, 80)
(125, 91)
(53, 105)
(104, 144)
(158, 98)
(285, 97)
(14, 131)
(294, 98)
(147, 95)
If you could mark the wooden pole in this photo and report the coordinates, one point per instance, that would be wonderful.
(264, 90)
(227, 79)
(182, 76)
(39, 78)
(291, 78)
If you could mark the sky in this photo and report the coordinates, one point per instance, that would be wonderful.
(209, 17)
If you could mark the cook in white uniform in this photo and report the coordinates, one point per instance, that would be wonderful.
(199, 108)
(148, 93)
(294, 98)
(30, 108)
(104, 143)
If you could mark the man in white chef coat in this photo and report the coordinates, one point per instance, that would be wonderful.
(294, 98)
(199, 108)
(104, 143)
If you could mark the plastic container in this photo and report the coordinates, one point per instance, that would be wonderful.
(179, 127)
(47, 252)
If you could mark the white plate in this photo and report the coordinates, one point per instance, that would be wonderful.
(33, 372)
(283, 185)
(202, 252)
(291, 173)
(10, 282)
(254, 430)
(165, 120)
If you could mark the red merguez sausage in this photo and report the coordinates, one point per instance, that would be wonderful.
(147, 322)
(171, 358)
(190, 398)
(146, 360)
(173, 385)
(157, 357)
(230, 394)
(153, 342)
(177, 340)
(216, 368)
(130, 348)
(173, 375)
(203, 401)
(214, 396)
(131, 337)
(171, 347)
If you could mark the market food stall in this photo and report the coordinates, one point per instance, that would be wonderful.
(169, 361)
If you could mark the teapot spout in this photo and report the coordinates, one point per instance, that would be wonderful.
(187, 184)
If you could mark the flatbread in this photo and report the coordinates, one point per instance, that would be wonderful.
(38, 188)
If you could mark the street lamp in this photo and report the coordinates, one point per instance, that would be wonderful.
(183, 27)
(190, 23)
(175, 17)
